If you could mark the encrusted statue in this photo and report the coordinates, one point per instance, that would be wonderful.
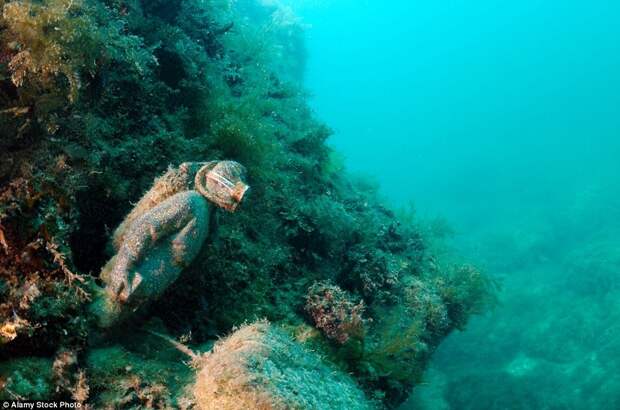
(163, 234)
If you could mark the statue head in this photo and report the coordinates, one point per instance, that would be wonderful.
(221, 182)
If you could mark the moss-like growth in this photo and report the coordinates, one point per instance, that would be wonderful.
(26, 378)
(124, 378)
(261, 367)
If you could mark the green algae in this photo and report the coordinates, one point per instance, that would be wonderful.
(26, 378)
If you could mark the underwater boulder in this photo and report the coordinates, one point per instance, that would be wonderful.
(260, 367)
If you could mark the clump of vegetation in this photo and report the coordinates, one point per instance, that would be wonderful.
(333, 311)
(122, 377)
(401, 339)
(424, 300)
(69, 378)
(465, 291)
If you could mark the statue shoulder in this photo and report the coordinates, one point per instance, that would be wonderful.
(172, 182)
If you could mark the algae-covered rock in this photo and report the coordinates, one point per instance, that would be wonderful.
(260, 367)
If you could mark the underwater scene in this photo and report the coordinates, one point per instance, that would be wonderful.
(309, 204)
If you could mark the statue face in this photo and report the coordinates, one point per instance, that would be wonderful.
(221, 182)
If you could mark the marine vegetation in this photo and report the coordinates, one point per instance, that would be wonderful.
(334, 313)
(98, 98)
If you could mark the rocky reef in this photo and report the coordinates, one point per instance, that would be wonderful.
(97, 99)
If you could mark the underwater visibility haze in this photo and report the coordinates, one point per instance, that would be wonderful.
(500, 122)
(310, 204)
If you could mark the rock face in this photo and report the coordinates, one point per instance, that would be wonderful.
(260, 367)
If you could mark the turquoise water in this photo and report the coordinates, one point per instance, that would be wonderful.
(489, 132)
(504, 119)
